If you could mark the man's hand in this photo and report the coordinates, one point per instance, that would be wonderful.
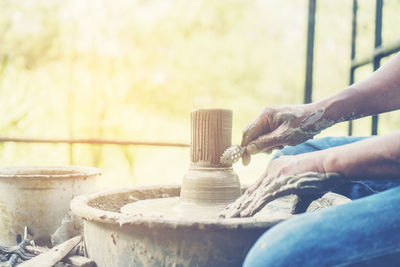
(278, 126)
(301, 174)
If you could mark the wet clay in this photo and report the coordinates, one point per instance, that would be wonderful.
(171, 208)
(209, 184)
(265, 191)
(312, 125)
(208, 180)
(211, 131)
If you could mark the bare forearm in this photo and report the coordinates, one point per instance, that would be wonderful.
(379, 93)
(375, 157)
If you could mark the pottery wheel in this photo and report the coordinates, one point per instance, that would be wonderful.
(173, 208)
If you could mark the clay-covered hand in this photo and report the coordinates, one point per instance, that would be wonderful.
(286, 175)
(279, 126)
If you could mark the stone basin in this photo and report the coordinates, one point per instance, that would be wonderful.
(116, 239)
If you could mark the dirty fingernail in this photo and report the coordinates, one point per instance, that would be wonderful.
(244, 213)
(251, 149)
(246, 158)
(245, 139)
(269, 151)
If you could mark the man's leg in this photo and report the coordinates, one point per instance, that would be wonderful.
(365, 232)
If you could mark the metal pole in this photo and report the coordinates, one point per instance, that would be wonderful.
(353, 53)
(377, 59)
(310, 51)
(90, 142)
(382, 51)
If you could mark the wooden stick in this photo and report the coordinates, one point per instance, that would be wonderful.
(36, 249)
(80, 261)
(54, 255)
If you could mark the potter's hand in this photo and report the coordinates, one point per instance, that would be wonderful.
(279, 126)
(284, 176)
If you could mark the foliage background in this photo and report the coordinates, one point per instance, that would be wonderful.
(133, 70)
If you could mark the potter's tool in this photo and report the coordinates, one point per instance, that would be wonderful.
(234, 153)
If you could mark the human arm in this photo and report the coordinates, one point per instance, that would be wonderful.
(372, 158)
(290, 125)
(318, 172)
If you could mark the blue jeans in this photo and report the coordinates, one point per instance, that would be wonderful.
(365, 232)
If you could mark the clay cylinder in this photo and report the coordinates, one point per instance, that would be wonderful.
(211, 131)
(208, 181)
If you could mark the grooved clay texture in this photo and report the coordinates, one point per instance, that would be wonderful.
(211, 131)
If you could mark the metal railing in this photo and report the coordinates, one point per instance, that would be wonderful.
(90, 142)
(310, 51)
(380, 51)
(72, 142)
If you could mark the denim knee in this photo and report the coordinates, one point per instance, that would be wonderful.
(361, 233)
(279, 246)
